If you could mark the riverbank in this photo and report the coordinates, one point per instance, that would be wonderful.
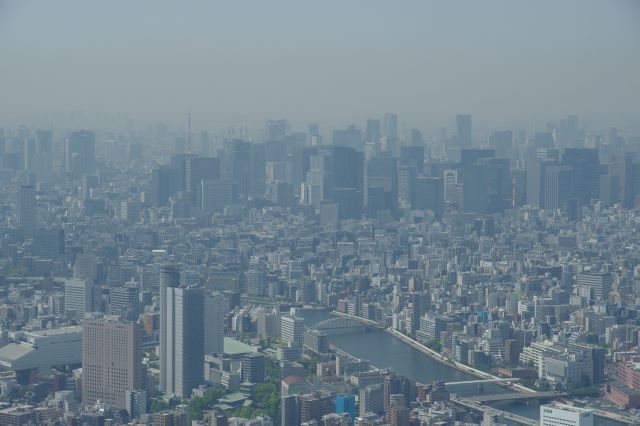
(455, 364)
(396, 358)
(435, 355)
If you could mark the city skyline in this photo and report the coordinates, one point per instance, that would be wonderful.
(357, 213)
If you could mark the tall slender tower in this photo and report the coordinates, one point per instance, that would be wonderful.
(169, 278)
(181, 334)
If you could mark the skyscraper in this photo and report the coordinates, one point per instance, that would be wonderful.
(216, 195)
(275, 130)
(381, 185)
(621, 166)
(111, 361)
(463, 130)
(292, 329)
(181, 334)
(197, 170)
(125, 300)
(428, 194)
(163, 184)
(27, 209)
(169, 278)
(42, 161)
(80, 153)
(390, 125)
(78, 297)
(585, 174)
(214, 311)
(373, 130)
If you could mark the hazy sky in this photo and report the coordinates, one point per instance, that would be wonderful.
(503, 61)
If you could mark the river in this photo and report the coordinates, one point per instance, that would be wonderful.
(386, 351)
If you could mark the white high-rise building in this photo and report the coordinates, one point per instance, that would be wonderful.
(79, 295)
(169, 278)
(214, 311)
(564, 415)
(292, 329)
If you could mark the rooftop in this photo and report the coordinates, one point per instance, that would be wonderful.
(235, 347)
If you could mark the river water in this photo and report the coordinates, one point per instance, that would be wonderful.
(386, 351)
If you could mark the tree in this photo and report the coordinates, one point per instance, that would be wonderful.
(198, 404)
(434, 345)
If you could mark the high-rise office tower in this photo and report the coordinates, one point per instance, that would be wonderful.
(548, 184)
(463, 130)
(373, 130)
(428, 194)
(390, 125)
(111, 361)
(381, 185)
(473, 155)
(197, 170)
(163, 185)
(257, 277)
(542, 140)
(245, 165)
(125, 300)
(28, 151)
(413, 156)
(79, 297)
(321, 174)
(501, 141)
(169, 278)
(275, 130)
(557, 186)
(621, 166)
(49, 242)
(416, 138)
(598, 282)
(85, 267)
(350, 137)
(27, 209)
(42, 162)
(205, 144)
(214, 311)
(216, 195)
(181, 334)
(80, 153)
(313, 130)
(486, 186)
(292, 329)
(585, 175)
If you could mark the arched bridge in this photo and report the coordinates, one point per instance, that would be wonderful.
(338, 324)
